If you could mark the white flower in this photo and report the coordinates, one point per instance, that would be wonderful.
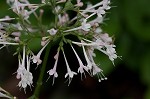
(19, 8)
(1, 26)
(36, 58)
(18, 26)
(106, 4)
(21, 68)
(103, 5)
(6, 40)
(9, 1)
(104, 44)
(52, 31)
(98, 30)
(61, 1)
(23, 71)
(16, 34)
(63, 18)
(82, 67)
(105, 37)
(26, 79)
(89, 64)
(100, 11)
(99, 72)
(53, 71)
(69, 73)
(89, 20)
(90, 7)
(7, 18)
(79, 3)
(95, 69)
(97, 20)
(111, 52)
(25, 13)
(16, 6)
(44, 41)
(91, 54)
(43, 1)
(85, 26)
(3, 37)
(85, 44)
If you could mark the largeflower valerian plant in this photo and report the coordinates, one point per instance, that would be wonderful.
(84, 25)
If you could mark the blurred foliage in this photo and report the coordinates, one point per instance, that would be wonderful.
(133, 36)
(129, 23)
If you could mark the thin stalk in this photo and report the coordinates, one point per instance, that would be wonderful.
(42, 71)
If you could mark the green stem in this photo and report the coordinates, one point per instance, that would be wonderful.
(42, 71)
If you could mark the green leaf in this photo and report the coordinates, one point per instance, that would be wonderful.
(68, 6)
(35, 44)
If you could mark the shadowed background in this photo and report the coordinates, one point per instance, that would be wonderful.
(129, 23)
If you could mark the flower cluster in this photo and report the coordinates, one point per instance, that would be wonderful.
(84, 25)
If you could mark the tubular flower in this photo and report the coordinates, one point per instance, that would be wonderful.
(80, 31)
(81, 66)
(52, 31)
(23, 72)
(53, 71)
(36, 58)
(69, 73)
(18, 6)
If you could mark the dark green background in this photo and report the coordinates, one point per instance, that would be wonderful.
(129, 23)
